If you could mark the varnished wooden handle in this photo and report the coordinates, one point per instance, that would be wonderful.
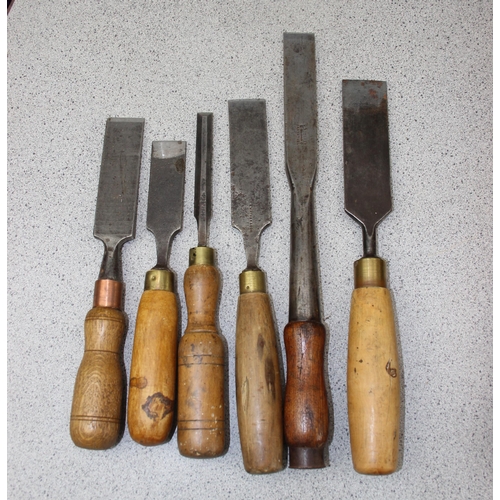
(373, 382)
(151, 400)
(96, 415)
(258, 385)
(306, 404)
(201, 401)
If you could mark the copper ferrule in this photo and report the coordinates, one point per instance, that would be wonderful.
(204, 256)
(370, 271)
(159, 279)
(108, 293)
(252, 281)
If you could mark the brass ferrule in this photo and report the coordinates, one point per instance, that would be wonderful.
(159, 279)
(204, 256)
(108, 293)
(370, 271)
(252, 281)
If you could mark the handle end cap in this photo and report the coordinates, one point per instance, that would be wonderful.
(306, 458)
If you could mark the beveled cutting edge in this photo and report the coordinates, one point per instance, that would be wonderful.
(166, 195)
(116, 207)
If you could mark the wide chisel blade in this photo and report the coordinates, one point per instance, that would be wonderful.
(372, 365)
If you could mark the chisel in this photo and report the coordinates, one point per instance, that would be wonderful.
(201, 368)
(97, 414)
(153, 369)
(372, 365)
(306, 406)
(258, 383)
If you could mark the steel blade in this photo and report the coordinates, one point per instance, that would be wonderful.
(166, 194)
(250, 185)
(367, 182)
(116, 207)
(203, 175)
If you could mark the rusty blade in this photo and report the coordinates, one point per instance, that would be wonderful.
(367, 183)
(250, 185)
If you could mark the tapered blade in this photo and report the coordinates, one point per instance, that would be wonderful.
(367, 182)
(250, 185)
(203, 175)
(116, 207)
(166, 194)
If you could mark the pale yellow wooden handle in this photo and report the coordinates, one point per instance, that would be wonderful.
(201, 401)
(96, 415)
(258, 385)
(373, 382)
(153, 370)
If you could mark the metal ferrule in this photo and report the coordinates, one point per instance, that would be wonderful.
(370, 271)
(201, 256)
(159, 279)
(252, 281)
(108, 293)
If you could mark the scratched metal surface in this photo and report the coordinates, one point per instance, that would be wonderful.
(71, 65)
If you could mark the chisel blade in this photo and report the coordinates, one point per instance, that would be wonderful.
(116, 207)
(367, 182)
(166, 194)
(250, 184)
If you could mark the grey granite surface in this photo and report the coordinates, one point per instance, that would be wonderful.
(71, 65)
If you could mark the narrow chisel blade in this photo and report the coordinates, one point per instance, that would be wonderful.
(116, 207)
(166, 194)
(250, 184)
(367, 182)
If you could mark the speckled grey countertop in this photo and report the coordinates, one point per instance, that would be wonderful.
(71, 65)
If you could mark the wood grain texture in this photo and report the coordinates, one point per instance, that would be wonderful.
(97, 418)
(153, 370)
(306, 404)
(373, 382)
(258, 386)
(201, 399)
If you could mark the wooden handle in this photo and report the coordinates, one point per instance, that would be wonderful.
(151, 400)
(96, 415)
(258, 385)
(306, 404)
(201, 401)
(373, 382)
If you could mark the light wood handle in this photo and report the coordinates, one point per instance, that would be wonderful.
(258, 385)
(201, 400)
(306, 404)
(151, 400)
(97, 413)
(373, 382)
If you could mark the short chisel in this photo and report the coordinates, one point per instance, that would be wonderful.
(258, 383)
(201, 400)
(97, 414)
(153, 370)
(372, 365)
(306, 406)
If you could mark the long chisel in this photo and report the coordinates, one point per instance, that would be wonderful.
(372, 365)
(201, 399)
(97, 414)
(306, 406)
(258, 382)
(153, 370)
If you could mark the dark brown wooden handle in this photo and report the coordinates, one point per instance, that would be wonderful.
(153, 370)
(373, 382)
(258, 385)
(96, 415)
(306, 405)
(201, 400)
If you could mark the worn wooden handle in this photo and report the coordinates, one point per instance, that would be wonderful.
(373, 382)
(96, 415)
(201, 401)
(151, 400)
(258, 385)
(306, 404)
